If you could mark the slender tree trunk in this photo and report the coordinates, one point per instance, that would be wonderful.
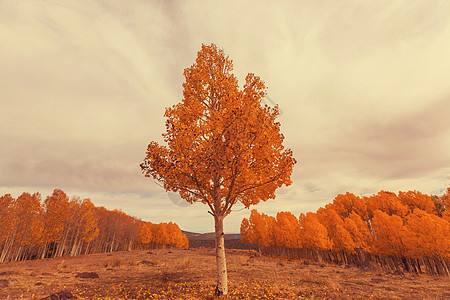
(86, 251)
(62, 242)
(19, 252)
(74, 246)
(7, 249)
(222, 281)
(44, 250)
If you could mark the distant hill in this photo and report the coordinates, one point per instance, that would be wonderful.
(209, 236)
(207, 240)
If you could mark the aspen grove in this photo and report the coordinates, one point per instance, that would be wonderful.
(408, 231)
(59, 226)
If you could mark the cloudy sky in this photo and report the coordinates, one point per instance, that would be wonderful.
(363, 86)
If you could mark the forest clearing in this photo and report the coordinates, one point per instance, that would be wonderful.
(190, 274)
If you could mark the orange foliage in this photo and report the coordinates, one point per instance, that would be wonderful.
(88, 220)
(59, 227)
(176, 238)
(344, 205)
(445, 199)
(146, 233)
(313, 235)
(410, 224)
(359, 231)
(287, 230)
(428, 235)
(245, 232)
(415, 199)
(163, 234)
(223, 146)
(28, 219)
(341, 239)
(258, 229)
(6, 217)
(390, 234)
(56, 213)
(446, 215)
(387, 202)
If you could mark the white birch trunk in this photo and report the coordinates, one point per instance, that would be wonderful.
(222, 280)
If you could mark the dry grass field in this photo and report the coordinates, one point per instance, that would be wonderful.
(190, 274)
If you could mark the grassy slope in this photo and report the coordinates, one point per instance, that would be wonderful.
(190, 274)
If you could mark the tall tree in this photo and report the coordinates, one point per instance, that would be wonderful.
(359, 231)
(8, 224)
(341, 239)
(389, 234)
(312, 233)
(223, 145)
(56, 213)
(255, 230)
(428, 235)
(28, 226)
(287, 230)
(146, 235)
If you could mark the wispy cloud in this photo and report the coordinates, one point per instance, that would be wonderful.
(363, 88)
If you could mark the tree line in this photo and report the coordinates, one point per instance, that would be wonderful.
(32, 228)
(408, 231)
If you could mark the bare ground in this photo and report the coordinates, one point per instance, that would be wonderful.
(190, 274)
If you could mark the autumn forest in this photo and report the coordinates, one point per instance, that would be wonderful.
(222, 146)
(405, 231)
(59, 226)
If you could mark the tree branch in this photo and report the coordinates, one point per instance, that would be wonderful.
(256, 185)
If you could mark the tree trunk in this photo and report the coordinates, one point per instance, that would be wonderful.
(44, 250)
(222, 283)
